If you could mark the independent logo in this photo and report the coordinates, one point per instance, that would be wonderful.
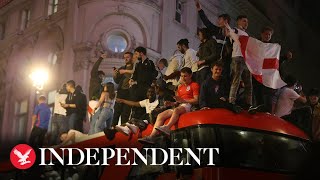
(22, 156)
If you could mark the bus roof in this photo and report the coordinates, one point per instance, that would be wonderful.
(259, 121)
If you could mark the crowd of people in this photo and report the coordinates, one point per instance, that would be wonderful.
(213, 76)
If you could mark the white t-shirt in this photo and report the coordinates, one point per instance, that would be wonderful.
(190, 60)
(149, 106)
(175, 63)
(60, 98)
(236, 51)
(285, 102)
(77, 135)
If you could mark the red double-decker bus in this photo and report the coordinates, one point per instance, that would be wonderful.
(259, 146)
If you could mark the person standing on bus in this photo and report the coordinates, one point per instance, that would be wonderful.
(74, 107)
(214, 91)
(207, 54)
(218, 30)
(186, 96)
(144, 73)
(96, 78)
(103, 112)
(40, 123)
(58, 121)
(122, 77)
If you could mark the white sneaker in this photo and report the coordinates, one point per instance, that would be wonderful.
(132, 127)
(123, 129)
(146, 121)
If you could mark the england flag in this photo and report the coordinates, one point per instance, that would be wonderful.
(262, 59)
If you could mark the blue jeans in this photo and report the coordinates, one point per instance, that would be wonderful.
(59, 125)
(100, 120)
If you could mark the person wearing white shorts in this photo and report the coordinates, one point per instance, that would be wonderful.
(186, 95)
(187, 107)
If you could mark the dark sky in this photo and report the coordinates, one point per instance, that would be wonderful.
(307, 67)
(310, 12)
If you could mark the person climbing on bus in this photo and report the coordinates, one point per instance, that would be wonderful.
(186, 96)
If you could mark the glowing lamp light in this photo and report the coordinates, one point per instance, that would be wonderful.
(39, 78)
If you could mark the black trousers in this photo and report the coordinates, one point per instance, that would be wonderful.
(257, 92)
(222, 104)
(120, 109)
(262, 95)
(138, 93)
(37, 137)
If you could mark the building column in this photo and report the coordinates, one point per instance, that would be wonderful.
(81, 64)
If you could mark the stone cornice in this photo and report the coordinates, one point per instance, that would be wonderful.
(155, 4)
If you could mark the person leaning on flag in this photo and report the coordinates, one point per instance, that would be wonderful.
(262, 94)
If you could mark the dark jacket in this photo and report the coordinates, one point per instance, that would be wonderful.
(219, 35)
(144, 73)
(95, 82)
(285, 67)
(80, 100)
(208, 52)
(83, 105)
(211, 91)
(123, 79)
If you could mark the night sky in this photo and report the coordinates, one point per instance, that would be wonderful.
(308, 67)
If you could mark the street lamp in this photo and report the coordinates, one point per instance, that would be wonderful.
(39, 78)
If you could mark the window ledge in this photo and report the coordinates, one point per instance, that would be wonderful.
(181, 25)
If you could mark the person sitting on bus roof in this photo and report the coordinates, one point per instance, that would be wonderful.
(283, 105)
(186, 96)
(214, 91)
(150, 104)
(162, 94)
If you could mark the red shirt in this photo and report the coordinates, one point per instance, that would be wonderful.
(187, 92)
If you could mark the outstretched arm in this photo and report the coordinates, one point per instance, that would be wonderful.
(232, 34)
(205, 19)
(129, 103)
(95, 68)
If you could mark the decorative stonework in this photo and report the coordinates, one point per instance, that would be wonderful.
(82, 56)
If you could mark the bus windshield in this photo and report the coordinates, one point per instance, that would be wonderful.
(239, 148)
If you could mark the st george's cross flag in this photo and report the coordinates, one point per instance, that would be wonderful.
(262, 60)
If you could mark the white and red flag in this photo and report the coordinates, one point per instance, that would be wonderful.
(262, 60)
